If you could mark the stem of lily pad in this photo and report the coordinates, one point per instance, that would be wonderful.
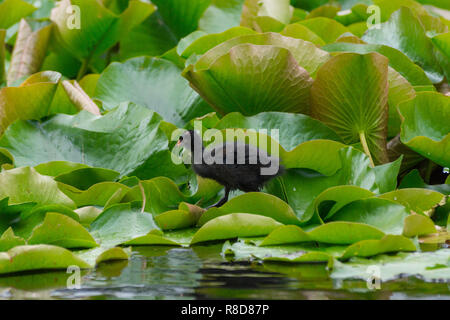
(362, 137)
(141, 187)
(83, 69)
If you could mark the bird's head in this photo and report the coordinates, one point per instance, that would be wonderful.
(188, 139)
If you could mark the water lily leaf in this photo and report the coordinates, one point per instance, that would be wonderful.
(442, 43)
(285, 235)
(120, 223)
(29, 51)
(327, 29)
(235, 225)
(60, 230)
(97, 195)
(11, 11)
(243, 71)
(182, 16)
(88, 214)
(424, 128)
(96, 141)
(84, 178)
(24, 185)
(152, 239)
(9, 240)
(198, 46)
(405, 33)
(418, 225)
(414, 199)
(257, 12)
(99, 27)
(113, 254)
(299, 187)
(35, 98)
(343, 104)
(307, 55)
(386, 175)
(261, 204)
(399, 90)
(294, 129)
(391, 266)
(176, 219)
(160, 89)
(383, 214)
(369, 248)
(397, 60)
(332, 199)
(299, 31)
(38, 257)
(56, 168)
(341, 232)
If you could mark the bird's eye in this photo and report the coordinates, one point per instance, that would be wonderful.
(181, 139)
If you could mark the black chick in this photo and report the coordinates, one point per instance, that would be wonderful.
(248, 168)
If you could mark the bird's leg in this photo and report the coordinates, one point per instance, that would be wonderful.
(221, 201)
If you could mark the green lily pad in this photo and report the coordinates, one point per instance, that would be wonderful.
(386, 215)
(38, 257)
(414, 199)
(56, 168)
(285, 235)
(234, 82)
(369, 248)
(414, 180)
(343, 104)
(95, 141)
(113, 254)
(11, 11)
(410, 38)
(342, 232)
(294, 129)
(88, 214)
(121, 223)
(299, 31)
(176, 219)
(60, 230)
(25, 185)
(99, 194)
(161, 88)
(327, 29)
(424, 127)
(418, 225)
(9, 240)
(235, 225)
(335, 198)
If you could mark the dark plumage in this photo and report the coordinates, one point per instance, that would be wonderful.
(247, 171)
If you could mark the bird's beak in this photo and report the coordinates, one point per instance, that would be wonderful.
(178, 143)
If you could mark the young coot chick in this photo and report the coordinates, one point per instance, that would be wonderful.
(234, 165)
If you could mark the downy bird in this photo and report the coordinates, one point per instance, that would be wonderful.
(235, 165)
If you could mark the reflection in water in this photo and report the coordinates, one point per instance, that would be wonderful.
(201, 273)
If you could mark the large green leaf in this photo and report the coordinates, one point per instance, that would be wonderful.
(60, 230)
(252, 79)
(121, 223)
(221, 15)
(11, 11)
(397, 60)
(153, 83)
(100, 194)
(38, 257)
(38, 96)
(405, 32)
(327, 29)
(294, 129)
(425, 128)
(235, 225)
(96, 141)
(286, 235)
(414, 199)
(368, 248)
(182, 16)
(24, 185)
(343, 232)
(350, 96)
(385, 215)
(9, 240)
